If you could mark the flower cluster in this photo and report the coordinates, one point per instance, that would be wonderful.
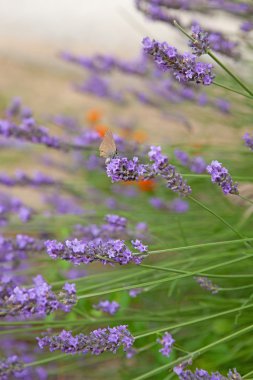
(12, 205)
(220, 175)
(11, 366)
(204, 375)
(77, 251)
(195, 164)
(248, 140)
(97, 342)
(167, 342)
(22, 179)
(161, 166)
(200, 43)
(107, 307)
(178, 205)
(29, 131)
(184, 67)
(104, 64)
(123, 169)
(37, 301)
(207, 284)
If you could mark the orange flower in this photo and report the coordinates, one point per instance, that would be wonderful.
(146, 185)
(93, 116)
(101, 129)
(140, 136)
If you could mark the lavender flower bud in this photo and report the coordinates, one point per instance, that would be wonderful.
(201, 44)
(77, 251)
(97, 342)
(167, 342)
(11, 366)
(248, 140)
(37, 301)
(107, 307)
(184, 67)
(220, 175)
(207, 284)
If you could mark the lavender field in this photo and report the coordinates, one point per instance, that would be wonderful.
(126, 199)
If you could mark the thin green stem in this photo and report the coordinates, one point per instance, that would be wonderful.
(232, 90)
(203, 245)
(229, 72)
(218, 217)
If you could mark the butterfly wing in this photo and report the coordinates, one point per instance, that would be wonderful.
(108, 147)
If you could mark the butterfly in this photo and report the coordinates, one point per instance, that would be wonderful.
(108, 147)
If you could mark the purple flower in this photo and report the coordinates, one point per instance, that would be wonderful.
(11, 366)
(134, 292)
(198, 165)
(248, 140)
(137, 244)
(184, 67)
(123, 169)
(37, 301)
(220, 175)
(207, 284)
(167, 342)
(182, 157)
(107, 307)
(223, 105)
(179, 205)
(97, 342)
(201, 44)
(161, 167)
(203, 374)
(246, 26)
(77, 251)
(157, 203)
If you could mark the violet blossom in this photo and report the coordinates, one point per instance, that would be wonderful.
(107, 307)
(167, 342)
(97, 342)
(184, 67)
(11, 366)
(220, 175)
(37, 301)
(248, 140)
(77, 251)
(207, 284)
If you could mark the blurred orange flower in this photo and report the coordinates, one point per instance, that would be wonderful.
(101, 129)
(140, 136)
(146, 185)
(93, 116)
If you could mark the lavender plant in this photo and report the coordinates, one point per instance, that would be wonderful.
(161, 286)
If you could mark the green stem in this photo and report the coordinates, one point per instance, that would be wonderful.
(203, 245)
(229, 72)
(232, 90)
(218, 217)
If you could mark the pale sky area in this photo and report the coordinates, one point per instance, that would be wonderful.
(31, 27)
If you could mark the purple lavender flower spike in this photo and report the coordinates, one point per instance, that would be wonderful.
(11, 366)
(207, 284)
(107, 307)
(201, 43)
(182, 157)
(220, 175)
(203, 374)
(77, 251)
(37, 301)
(97, 342)
(123, 169)
(167, 342)
(248, 140)
(179, 206)
(184, 67)
(198, 165)
(247, 26)
(137, 244)
(160, 166)
(134, 292)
